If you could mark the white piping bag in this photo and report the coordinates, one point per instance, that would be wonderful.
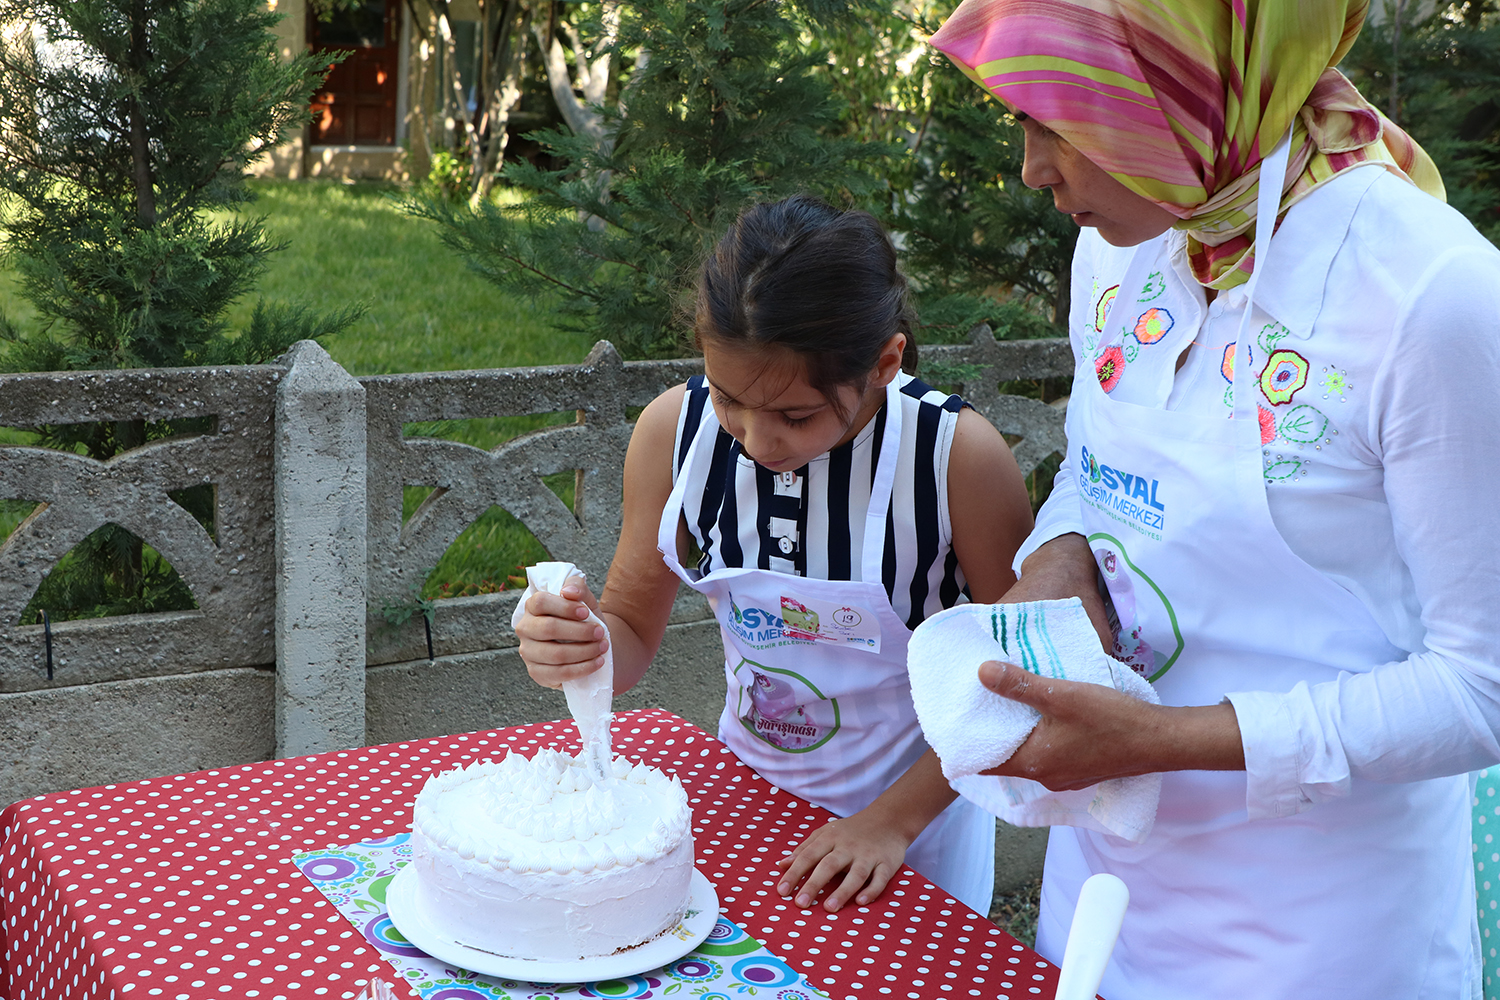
(590, 698)
(1091, 938)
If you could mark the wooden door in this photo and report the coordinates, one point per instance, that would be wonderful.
(356, 105)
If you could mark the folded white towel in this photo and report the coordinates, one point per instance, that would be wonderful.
(972, 729)
(590, 698)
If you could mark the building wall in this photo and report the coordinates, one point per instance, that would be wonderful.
(298, 158)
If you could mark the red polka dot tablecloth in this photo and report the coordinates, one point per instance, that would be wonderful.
(183, 887)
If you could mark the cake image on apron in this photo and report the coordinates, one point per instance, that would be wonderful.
(818, 700)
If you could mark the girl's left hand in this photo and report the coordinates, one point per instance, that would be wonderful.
(853, 858)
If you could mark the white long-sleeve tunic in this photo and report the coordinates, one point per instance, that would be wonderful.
(1381, 431)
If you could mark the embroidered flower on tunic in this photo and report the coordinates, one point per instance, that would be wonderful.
(1101, 308)
(1109, 367)
(1335, 381)
(1285, 373)
(1267, 424)
(1152, 326)
(1226, 364)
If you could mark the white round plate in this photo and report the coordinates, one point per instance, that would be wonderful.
(666, 948)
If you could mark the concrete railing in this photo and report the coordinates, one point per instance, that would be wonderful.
(288, 651)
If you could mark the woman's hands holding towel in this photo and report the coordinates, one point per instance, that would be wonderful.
(1090, 733)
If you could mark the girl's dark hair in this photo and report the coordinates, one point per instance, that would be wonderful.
(801, 275)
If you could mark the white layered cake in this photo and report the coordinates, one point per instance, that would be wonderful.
(536, 859)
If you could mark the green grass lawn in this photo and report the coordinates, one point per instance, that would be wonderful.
(426, 312)
(351, 243)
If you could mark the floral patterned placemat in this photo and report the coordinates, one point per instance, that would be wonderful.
(729, 965)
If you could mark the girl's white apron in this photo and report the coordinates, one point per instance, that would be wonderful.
(1367, 895)
(818, 701)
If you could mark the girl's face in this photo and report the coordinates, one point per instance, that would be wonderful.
(1085, 191)
(765, 402)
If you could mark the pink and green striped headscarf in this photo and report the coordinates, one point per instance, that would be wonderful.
(1180, 100)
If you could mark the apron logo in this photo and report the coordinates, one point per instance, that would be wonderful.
(804, 622)
(1147, 637)
(1122, 495)
(784, 709)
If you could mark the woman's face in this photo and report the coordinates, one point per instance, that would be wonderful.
(1088, 194)
(765, 402)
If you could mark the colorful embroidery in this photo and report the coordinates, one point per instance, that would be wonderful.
(1336, 381)
(1285, 373)
(1283, 469)
(1152, 326)
(1101, 308)
(1226, 364)
(1303, 424)
(1267, 424)
(1155, 285)
(1109, 367)
(1132, 351)
(1270, 334)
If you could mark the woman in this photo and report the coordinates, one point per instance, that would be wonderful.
(1281, 466)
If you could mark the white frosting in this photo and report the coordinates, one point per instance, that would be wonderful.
(538, 859)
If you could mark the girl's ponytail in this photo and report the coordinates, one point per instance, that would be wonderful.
(800, 275)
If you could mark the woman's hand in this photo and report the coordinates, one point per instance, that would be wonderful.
(853, 858)
(1090, 733)
(1061, 568)
(557, 642)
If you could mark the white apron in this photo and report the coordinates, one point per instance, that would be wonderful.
(818, 700)
(1369, 895)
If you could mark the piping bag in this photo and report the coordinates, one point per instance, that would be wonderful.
(589, 698)
(1091, 939)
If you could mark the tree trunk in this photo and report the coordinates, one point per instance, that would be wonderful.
(140, 149)
(1062, 301)
(19, 136)
(590, 78)
(502, 92)
(418, 124)
(1394, 106)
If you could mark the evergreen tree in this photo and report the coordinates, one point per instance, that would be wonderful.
(125, 126)
(1436, 73)
(728, 103)
(979, 246)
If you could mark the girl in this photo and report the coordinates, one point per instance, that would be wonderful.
(836, 502)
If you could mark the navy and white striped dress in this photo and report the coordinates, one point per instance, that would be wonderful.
(811, 522)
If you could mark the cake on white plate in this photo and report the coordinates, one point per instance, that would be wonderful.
(538, 859)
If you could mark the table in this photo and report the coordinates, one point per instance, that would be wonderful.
(182, 887)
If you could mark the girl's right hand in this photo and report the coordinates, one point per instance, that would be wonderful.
(557, 642)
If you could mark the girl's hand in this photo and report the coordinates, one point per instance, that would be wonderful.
(1089, 733)
(853, 858)
(557, 642)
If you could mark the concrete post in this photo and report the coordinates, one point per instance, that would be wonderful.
(320, 555)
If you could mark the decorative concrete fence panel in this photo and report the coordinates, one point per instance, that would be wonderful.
(290, 650)
(143, 694)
